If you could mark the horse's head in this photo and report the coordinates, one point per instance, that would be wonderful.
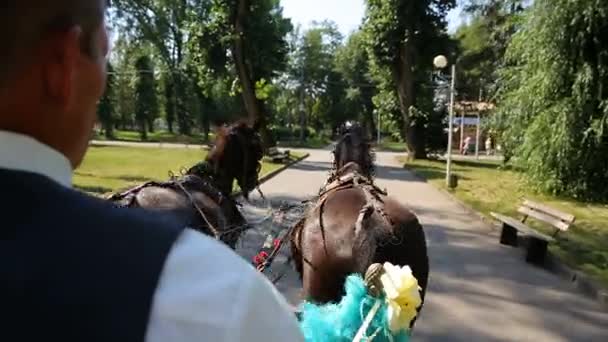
(354, 147)
(237, 154)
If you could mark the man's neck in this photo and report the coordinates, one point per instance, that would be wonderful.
(21, 152)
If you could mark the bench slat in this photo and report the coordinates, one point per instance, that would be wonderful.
(544, 218)
(568, 218)
(522, 227)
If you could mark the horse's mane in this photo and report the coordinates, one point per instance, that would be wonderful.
(368, 156)
(222, 139)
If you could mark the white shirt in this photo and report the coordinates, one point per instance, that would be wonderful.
(206, 292)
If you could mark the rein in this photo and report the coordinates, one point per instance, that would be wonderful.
(211, 227)
(265, 257)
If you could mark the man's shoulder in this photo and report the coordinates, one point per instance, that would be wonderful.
(211, 256)
(138, 219)
(69, 206)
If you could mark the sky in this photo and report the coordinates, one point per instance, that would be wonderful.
(346, 13)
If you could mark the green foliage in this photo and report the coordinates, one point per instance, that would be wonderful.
(352, 62)
(267, 47)
(477, 63)
(105, 109)
(554, 105)
(312, 92)
(482, 45)
(124, 80)
(390, 23)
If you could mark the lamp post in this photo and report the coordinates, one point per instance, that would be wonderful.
(441, 62)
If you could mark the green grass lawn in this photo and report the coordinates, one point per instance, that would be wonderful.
(159, 136)
(391, 146)
(487, 187)
(109, 169)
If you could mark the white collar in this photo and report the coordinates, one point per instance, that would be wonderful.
(23, 153)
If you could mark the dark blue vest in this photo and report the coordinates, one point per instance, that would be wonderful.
(72, 267)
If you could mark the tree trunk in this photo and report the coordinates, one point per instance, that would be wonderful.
(142, 130)
(403, 76)
(253, 106)
(108, 130)
(206, 129)
(169, 104)
(183, 115)
(151, 125)
(302, 126)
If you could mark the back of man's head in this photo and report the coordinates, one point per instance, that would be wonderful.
(24, 24)
(52, 70)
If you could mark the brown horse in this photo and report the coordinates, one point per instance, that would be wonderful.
(352, 225)
(203, 195)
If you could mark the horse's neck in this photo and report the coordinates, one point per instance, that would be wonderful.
(207, 172)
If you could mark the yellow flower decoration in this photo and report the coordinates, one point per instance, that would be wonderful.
(402, 295)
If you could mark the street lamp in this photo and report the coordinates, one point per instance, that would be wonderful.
(441, 62)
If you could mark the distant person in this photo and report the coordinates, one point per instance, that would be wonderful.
(466, 145)
(72, 267)
(489, 146)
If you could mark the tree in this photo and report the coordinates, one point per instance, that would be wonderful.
(320, 86)
(477, 62)
(165, 24)
(401, 36)
(257, 32)
(170, 104)
(352, 62)
(217, 39)
(482, 44)
(123, 57)
(105, 110)
(553, 106)
(146, 103)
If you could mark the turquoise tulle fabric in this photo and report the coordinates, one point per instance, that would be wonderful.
(340, 322)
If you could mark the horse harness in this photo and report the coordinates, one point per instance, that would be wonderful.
(372, 193)
(353, 179)
(198, 176)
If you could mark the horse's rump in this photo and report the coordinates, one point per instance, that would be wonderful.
(352, 225)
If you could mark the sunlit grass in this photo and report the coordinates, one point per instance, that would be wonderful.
(486, 187)
(109, 169)
(158, 136)
(392, 146)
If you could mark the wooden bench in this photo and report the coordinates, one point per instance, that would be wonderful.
(277, 156)
(537, 241)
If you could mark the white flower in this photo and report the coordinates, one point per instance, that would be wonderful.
(402, 295)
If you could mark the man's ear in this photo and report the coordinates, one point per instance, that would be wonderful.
(60, 54)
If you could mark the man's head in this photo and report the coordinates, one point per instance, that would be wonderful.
(52, 70)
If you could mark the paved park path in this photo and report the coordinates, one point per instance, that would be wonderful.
(479, 290)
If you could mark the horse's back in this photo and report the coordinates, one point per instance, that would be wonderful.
(190, 209)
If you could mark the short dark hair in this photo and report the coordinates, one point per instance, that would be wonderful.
(24, 23)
